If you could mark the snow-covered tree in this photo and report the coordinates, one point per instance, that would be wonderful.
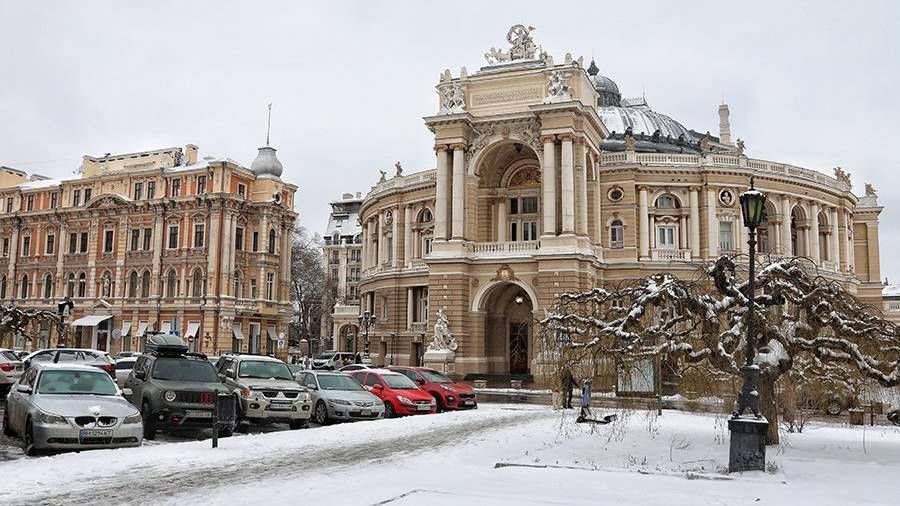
(804, 323)
(308, 285)
(24, 321)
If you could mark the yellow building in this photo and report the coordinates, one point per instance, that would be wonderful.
(547, 180)
(157, 240)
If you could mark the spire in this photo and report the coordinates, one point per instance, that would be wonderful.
(724, 124)
(269, 123)
(592, 69)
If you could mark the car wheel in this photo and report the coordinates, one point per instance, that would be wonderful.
(389, 410)
(438, 403)
(894, 417)
(833, 407)
(7, 430)
(28, 440)
(299, 424)
(149, 422)
(321, 413)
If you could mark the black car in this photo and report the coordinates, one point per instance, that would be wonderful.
(177, 389)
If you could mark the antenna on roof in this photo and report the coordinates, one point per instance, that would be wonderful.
(269, 124)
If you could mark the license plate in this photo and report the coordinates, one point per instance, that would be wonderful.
(469, 403)
(95, 433)
(192, 413)
(280, 407)
(365, 412)
(424, 407)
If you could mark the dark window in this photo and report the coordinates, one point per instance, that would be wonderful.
(73, 242)
(145, 284)
(30, 203)
(242, 191)
(51, 244)
(255, 241)
(48, 286)
(6, 246)
(82, 285)
(372, 380)
(513, 206)
(148, 235)
(9, 204)
(201, 184)
(87, 195)
(173, 236)
(24, 288)
(76, 198)
(529, 205)
(151, 189)
(54, 200)
(138, 190)
(176, 187)
(272, 241)
(108, 241)
(70, 286)
(133, 285)
(84, 242)
(26, 246)
(135, 239)
(198, 235)
(239, 239)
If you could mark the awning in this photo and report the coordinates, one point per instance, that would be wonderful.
(236, 330)
(271, 332)
(90, 320)
(126, 328)
(142, 329)
(165, 328)
(193, 328)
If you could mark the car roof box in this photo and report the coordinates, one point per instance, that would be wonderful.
(162, 344)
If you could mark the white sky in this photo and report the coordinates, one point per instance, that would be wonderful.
(814, 84)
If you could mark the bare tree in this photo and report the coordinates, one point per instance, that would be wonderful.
(802, 318)
(308, 286)
(25, 321)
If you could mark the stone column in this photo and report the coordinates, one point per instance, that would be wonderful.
(695, 222)
(441, 194)
(409, 309)
(407, 235)
(712, 223)
(598, 209)
(787, 247)
(851, 243)
(501, 219)
(652, 234)
(872, 250)
(814, 233)
(581, 216)
(548, 186)
(682, 232)
(567, 185)
(395, 235)
(363, 247)
(459, 191)
(382, 244)
(833, 245)
(644, 218)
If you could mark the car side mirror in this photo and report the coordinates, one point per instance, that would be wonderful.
(140, 374)
(126, 392)
(312, 386)
(24, 389)
(229, 373)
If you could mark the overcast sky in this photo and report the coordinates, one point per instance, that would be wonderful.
(814, 84)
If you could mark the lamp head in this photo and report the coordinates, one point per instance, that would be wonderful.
(753, 206)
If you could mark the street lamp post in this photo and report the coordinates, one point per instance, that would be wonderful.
(747, 450)
(366, 320)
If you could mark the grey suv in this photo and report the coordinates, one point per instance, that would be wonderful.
(265, 389)
(174, 388)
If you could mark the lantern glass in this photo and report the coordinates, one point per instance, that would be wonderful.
(753, 206)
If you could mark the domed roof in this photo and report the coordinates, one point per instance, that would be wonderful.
(606, 88)
(266, 163)
(642, 120)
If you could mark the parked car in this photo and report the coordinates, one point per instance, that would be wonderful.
(265, 389)
(337, 396)
(127, 354)
(400, 395)
(332, 360)
(10, 370)
(70, 406)
(123, 369)
(21, 354)
(447, 393)
(85, 356)
(355, 367)
(175, 389)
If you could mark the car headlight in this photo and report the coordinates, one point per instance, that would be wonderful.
(448, 388)
(405, 401)
(245, 393)
(135, 418)
(169, 396)
(433, 402)
(51, 419)
(339, 401)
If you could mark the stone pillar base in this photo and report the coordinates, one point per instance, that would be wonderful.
(747, 451)
(440, 360)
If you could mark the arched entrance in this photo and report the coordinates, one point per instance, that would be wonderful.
(349, 334)
(508, 329)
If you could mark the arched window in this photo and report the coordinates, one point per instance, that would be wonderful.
(70, 286)
(426, 216)
(106, 285)
(617, 234)
(238, 285)
(82, 284)
(197, 284)
(666, 202)
(3, 287)
(170, 283)
(145, 284)
(24, 288)
(48, 286)
(272, 241)
(133, 284)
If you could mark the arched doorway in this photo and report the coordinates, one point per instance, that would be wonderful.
(349, 334)
(508, 329)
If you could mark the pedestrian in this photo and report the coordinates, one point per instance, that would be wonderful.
(568, 383)
(585, 413)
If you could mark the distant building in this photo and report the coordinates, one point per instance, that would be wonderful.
(343, 257)
(155, 240)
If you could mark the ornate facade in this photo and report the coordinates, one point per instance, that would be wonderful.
(343, 259)
(156, 240)
(547, 181)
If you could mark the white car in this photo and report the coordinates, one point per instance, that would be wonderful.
(123, 369)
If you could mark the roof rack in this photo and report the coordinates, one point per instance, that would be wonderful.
(166, 345)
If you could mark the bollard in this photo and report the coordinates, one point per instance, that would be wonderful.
(215, 421)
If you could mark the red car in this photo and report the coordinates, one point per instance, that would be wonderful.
(400, 395)
(448, 393)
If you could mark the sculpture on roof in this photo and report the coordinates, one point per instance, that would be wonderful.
(383, 177)
(523, 47)
(630, 142)
(453, 98)
(399, 169)
(557, 87)
(442, 340)
(740, 146)
(705, 143)
(870, 190)
(842, 176)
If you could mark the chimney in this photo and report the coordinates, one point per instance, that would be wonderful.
(724, 125)
(190, 154)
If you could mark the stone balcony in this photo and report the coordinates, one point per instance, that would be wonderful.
(670, 255)
(502, 249)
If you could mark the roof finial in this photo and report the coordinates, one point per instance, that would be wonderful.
(592, 70)
(269, 123)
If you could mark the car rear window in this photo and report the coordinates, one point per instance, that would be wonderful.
(8, 355)
(125, 364)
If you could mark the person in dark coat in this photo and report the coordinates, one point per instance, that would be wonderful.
(568, 383)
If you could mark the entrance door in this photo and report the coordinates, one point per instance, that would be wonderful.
(103, 335)
(518, 348)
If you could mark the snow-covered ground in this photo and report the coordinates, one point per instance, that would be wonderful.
(452, 458)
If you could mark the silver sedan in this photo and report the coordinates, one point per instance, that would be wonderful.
(70, 407)
(337, 396)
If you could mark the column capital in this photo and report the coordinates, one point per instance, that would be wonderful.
(548, 138)
(580, 140)
(441, 147)
(458, 146)
(642, 188)
(695, 189)
(567, 137)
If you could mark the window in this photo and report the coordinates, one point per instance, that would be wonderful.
(82, 285)
(3, 287)
(138, 190)
(176, 188)
(133, 285)
(70, 286)
(270, 286)
(523, 205)
(255, 241)
(197, 284)
(87, 195)
(170, 284)
(665, 236)
(148, 236)
(84, 242)
(426, 245)
(76, 198)
(390, 248)
(48, 286)
(201, 184)
(237, 286)
(135, 239)
(9, 204)
(272, 241)
(238, 239)
(151, 189)
(30, 204)
(420, 299)
(73, 242)
(26, 246)
(23, 293)
(198, 235)
(725, 235)
(665, 202)
(253, 288)
(173, 236)
(617, 235)
(6, 246)
(242, 191)
(51, 244)
(523, 231)
(145, 284)
(54, 200)
(107, 241)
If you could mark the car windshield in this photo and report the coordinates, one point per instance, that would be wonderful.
(336, 382)
(294, 368)
(399, 381)
(435, 377)
(264, 369)
(177, 369)
(76, 382)
(325, 356)
(8, 355)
